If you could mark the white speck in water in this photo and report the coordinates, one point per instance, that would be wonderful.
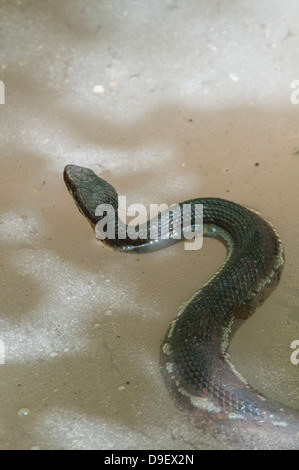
(109, 312)
(96, 326)
(107, 280)
(212, 47)
(97, 89)
(282, 424)
(234, 77)
(235, 416)
(121, 388)
(23, 412)
(53, 354)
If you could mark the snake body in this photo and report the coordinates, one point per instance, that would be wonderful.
(194, 356)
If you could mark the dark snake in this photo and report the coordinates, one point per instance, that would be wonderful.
(194, 357)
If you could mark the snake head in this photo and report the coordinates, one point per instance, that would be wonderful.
(89, 191)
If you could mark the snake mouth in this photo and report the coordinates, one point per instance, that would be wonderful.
(74, 176)
(68, 176)
(72, 180)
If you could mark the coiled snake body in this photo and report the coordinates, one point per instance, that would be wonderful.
(194, 354)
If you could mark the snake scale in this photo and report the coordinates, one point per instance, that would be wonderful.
(194, 357)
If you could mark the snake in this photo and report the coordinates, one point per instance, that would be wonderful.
(195, 361)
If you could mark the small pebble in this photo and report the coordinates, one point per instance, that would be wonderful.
(23, 412)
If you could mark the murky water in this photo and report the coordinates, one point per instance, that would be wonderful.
(167, 102)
